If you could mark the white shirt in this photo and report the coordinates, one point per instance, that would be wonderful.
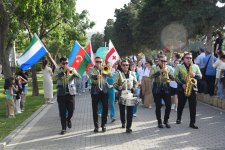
(199, 60)
(146, 72)
(173, 84)
(219, 65)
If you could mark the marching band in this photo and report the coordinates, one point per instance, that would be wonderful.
(106, 83)
(125, 82)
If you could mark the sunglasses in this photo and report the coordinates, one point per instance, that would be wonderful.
(64, 63)
(188, 57)
(98, 61)
(125, 65)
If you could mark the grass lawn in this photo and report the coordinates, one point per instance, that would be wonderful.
(7, 125)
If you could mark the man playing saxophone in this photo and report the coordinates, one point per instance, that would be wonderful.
(99, 89)
(186, 76)
(162, 75)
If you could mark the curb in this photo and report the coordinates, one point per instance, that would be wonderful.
(214, 107)
(9, 138)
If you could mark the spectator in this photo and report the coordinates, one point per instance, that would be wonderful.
(8, 90)
(146, 85)
(47, 82)
(199, 60)
(218, 43)
(18, 92)
(24, 75)
(210, 73)
(220, 66)
(173, 86)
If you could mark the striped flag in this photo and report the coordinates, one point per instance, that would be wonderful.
(112, 56)
(34, 52)
(91, 54)
(79, 58)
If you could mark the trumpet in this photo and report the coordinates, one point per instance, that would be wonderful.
(70, 71)
(165, 75)
(105, 70)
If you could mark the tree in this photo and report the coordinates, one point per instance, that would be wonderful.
(9, 26)
(108, 31)
(198, 17)
(123, 30)
(43, 17)
(97, 40)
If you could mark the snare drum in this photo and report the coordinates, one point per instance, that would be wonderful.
(131, 101)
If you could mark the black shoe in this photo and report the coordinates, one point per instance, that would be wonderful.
(69, 124)
(129, 130)
(178, 122)
(193, 126)
(160, 125)
(103, 129)
(96, 130)
(63, 132)
(167, 125)
(123, 125)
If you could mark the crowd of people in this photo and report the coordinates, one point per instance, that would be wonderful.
(166, 81)
(16, 90)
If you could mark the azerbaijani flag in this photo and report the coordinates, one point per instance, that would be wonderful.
(34, 52)
(79, 58)
(91, 54)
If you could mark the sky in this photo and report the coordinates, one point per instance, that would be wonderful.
(100, 11)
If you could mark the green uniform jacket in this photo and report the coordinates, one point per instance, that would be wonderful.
(157, 76)
(120, 80)
(181, 73)
(93, 73)
(160, 83)
(63, 80)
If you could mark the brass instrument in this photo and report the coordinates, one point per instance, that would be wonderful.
(105, 70)
(71, 71)
(165, 75)
(191, 82)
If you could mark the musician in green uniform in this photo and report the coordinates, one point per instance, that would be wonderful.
(125, 80)
(162, 74)
(186, 76)
(99, 89)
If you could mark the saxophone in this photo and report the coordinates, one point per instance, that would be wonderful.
(191, 82)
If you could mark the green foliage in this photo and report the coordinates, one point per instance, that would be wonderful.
(122, 32)
(139, 25)
(109, 32)
(97, 40)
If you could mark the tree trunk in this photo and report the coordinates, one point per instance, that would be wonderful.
(209, 41)
(4, 56)
(35, 91)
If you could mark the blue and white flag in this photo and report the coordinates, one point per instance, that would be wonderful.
(34, 52)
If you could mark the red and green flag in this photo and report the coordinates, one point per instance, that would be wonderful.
(79, 58)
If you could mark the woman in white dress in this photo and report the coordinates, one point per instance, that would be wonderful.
(47, 82)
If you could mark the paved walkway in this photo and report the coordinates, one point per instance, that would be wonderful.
(43, 131)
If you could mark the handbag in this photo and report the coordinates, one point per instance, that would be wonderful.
(204, 69)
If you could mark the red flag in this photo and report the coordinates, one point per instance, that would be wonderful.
(112, 55)
(91, 54)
